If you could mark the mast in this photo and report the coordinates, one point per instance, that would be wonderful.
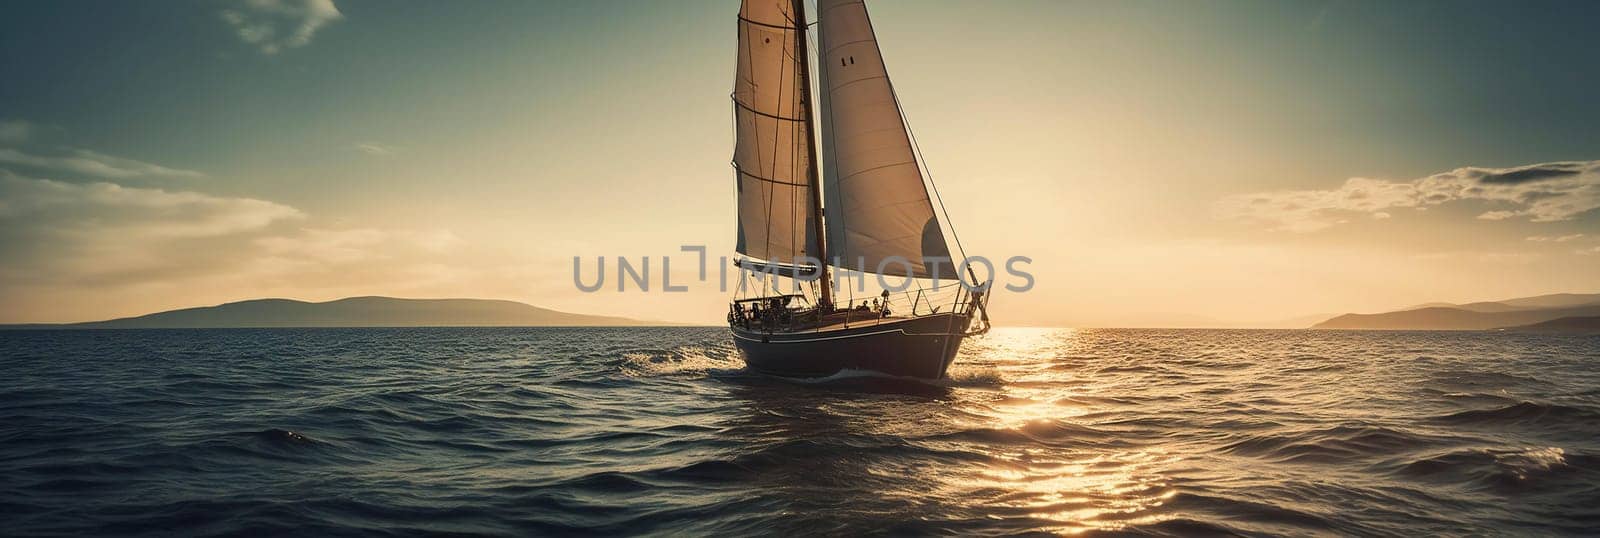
(825, 302)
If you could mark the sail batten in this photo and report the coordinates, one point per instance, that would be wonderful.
(879, 215)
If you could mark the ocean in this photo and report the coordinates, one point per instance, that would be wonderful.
(622, 431)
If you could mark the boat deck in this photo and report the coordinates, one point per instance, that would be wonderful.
(839, 324)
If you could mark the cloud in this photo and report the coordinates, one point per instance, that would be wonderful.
(1539, 192)
(375, 148)
(1555, 238)
(76, 251)
(1537, 172)
(1587, 251)
(74, 236)
(15, 131)
(88, 163)
(356, 245)
(1307, 211)
(274, 25)
(130, 213)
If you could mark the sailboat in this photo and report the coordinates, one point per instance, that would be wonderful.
(863, 208)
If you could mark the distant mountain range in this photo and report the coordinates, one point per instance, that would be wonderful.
(1558, 312)
(356, 312)
(1562, 311)
(1585, 324)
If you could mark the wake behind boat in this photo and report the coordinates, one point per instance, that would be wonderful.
(879, 217)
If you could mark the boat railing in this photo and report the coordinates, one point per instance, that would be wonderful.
(852, 312)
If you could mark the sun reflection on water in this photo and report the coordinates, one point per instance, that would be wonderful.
(1072, 474)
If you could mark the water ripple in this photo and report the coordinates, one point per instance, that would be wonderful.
(505, 432)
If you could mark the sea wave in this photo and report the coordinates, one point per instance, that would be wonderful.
(506, 432)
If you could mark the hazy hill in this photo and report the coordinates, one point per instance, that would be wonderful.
(1489, 306)
(1574, 324)
(1558, 300)
(1430, 305)
(1474, 316)
(1555, 300)
(357, 312)
(1446, 318)
(1299, 322)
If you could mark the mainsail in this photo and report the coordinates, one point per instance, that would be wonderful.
(877, 206)
(771, 157)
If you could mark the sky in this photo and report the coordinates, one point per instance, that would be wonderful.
(1161, 163)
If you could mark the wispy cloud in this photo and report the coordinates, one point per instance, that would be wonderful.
(338, 246)
(375, 148)
(88, 163)
(1587, 251)
(68, 246)
(274, 25)
(58, 207)
(15, 131)
(1539, 192)
(1555, 238)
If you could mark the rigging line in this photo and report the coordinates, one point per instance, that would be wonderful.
(798, 165)
(850, 303)
(927, 173)
(741, 171)
(768, 189)
(791, 53)
(816, 138)
(815, 233)
(789, 67)
(749, 79)
(738, 185)
(909, 133)
(772, 190)
(840, 243)
(772, 26)
(804, 101)
(794, 149)
(816, 209)
(753, 110)
(733, 124)
(813, 100)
